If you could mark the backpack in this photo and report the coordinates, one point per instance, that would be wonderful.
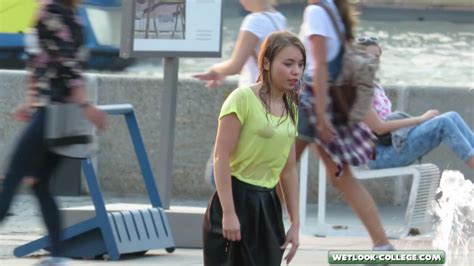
(353, 89)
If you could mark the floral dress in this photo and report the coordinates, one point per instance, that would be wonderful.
(56, 54)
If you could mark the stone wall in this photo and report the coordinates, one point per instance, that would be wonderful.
(196, 122)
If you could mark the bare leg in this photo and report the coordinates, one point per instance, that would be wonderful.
(358, 198)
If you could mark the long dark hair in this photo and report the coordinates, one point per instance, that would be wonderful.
(272, 45)
(349, 17)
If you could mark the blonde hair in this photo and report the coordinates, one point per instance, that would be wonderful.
(271, 46)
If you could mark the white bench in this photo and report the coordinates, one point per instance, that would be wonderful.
(425, 182)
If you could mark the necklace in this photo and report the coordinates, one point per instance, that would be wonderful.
(281, 117)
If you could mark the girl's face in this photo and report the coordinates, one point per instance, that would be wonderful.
(287, 68)
(374, 50)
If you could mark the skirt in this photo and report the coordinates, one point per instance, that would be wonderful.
(354, 144)
(261, 228)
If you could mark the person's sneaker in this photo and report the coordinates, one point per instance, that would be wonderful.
(386, 247)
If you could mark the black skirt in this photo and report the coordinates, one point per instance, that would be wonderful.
(261, 228)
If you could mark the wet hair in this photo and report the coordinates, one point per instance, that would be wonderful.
(348, 16)
(272, 45)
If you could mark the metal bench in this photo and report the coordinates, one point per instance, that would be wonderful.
(425, 182)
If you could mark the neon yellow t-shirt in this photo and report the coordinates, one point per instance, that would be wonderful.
(263, 146)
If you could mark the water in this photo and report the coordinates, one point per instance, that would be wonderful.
(429, 52)
(454, 212)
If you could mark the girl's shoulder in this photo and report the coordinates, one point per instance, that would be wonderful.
(315, 14)
(313, 8)
(241, 92)
(262, 17)
(245, 93)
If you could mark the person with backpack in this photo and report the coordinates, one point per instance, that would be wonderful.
(338, 144)
(256, 26)
(402, 139)
(254, 151)
(57, 51)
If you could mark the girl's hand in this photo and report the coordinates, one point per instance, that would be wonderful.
(212, 78)
(326, 129)
(95, 116)
(293, 237)
(429, 115)
(22, 112)
(231, 227)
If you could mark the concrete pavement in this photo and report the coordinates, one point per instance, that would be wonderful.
(312, 251)
(26, 225)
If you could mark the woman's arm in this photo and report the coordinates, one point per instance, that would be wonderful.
(227, 136)
(381, 127)
(289, 183)
(320, 86)
(23, 111)
(244, 48)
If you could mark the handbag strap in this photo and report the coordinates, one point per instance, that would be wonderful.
(333, 19)
(272, 20)
(275, 25)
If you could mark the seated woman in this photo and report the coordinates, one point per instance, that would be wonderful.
(402, 138)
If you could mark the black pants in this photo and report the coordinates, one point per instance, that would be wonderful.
(261, 229)
(31, 158)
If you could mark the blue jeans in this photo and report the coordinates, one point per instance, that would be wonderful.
(32, 158)
(448, 128)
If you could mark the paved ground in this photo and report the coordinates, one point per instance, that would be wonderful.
(26, 225)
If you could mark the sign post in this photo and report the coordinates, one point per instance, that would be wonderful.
(170, 29)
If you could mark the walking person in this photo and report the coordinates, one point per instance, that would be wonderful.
(339, 145)
(256, 26)
(255, 150)
(402, 139)
(56, 54)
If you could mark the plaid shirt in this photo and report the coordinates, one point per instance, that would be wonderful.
(353, 144)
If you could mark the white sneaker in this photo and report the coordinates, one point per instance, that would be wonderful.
(387, 247)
